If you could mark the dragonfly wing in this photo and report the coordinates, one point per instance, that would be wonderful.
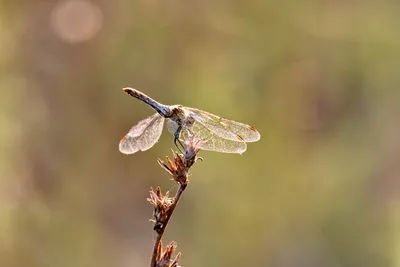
(143, 135)
(172, 126)
(225, 128)
(247, 132)
(214, 142)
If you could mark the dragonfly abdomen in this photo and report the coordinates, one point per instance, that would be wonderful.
(163, 110)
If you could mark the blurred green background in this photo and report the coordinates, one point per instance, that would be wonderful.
(319, 80)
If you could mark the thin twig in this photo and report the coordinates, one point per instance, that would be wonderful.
(178, 195)
(164, 206)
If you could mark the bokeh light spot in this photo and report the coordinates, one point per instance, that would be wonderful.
(76, 21)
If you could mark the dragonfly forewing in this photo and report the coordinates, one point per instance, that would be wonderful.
(225, 128)
(217, 143)
(212, 141)
(143, 135)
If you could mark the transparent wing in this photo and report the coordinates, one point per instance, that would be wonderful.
(172, 126)
(213, 141)
(143, 135)
(227, 129)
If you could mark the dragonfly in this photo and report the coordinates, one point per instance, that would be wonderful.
(218, 134)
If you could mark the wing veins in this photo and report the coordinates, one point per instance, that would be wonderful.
(218, 143)
(245, 131)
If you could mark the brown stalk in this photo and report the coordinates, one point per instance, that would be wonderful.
(165, 206)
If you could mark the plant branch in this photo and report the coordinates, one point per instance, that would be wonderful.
(157, 243)
(165, 206)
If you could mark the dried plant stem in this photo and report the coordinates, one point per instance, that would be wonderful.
(178, 195)
(178, 168)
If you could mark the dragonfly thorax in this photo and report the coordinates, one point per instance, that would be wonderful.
(181, 116)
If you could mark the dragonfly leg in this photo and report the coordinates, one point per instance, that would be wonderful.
(176, 139)
(176, 142)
